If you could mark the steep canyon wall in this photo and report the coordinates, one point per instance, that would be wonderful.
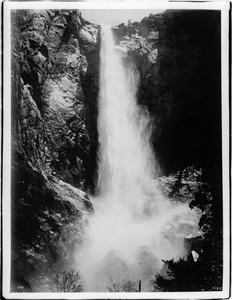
(53, 138)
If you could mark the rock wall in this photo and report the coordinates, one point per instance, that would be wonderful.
(51, 55)
(178, 56)
(52, 132)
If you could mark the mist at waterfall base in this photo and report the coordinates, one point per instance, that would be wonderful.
(134, 226)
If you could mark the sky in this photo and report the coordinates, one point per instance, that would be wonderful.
(116, 16)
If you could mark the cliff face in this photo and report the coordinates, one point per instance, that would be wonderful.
(52, 133)
(179, 65)
(178, 57)
(51, 62)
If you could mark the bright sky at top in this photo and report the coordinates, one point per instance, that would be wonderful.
(116, 16)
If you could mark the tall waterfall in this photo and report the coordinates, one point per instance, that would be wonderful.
(126, 162)
(134, 226)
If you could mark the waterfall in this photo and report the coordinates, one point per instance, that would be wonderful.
(134, 225)
(125, 156)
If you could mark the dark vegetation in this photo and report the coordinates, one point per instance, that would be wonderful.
(202, 275)
(125, 286)
(68, 282)
(54, 145)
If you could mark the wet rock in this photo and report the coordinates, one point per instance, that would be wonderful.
(45, 208)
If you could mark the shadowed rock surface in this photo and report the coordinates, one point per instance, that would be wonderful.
(179, 65)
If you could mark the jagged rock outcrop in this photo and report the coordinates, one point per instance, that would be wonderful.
(51, 141)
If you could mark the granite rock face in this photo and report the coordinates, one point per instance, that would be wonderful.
(50, 64)
(51, 141)
(179, 66)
